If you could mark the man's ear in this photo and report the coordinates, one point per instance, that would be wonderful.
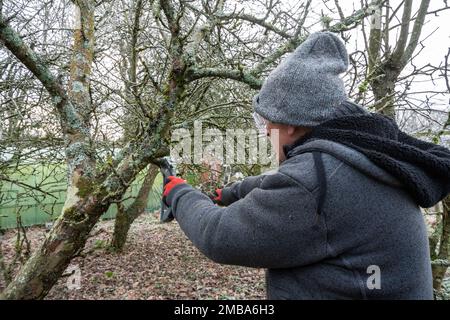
(291, 130)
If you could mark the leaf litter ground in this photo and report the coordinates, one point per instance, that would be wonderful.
(158, 262)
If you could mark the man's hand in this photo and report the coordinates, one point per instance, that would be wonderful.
(216, 197)
(172, 182)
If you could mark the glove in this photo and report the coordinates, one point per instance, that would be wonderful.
(173, 181)
(216, 197)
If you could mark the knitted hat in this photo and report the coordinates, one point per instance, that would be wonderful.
(306, 88)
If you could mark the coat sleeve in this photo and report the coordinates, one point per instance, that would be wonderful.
(239, 190)
(274, 226)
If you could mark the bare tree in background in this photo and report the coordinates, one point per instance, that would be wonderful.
(126, 215)
(214, 32)
(138, 69)
(387, 62)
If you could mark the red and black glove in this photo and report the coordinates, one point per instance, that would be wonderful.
(216, 197)
(172, 182)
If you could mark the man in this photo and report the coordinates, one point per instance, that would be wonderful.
(340, 218)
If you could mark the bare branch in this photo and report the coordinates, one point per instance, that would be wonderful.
(71, 121)
(339, 9)
(251, 76)
(262, 22)
(80, 67)
(238, 75)
(354, 19)
(404, 32)
(374, 37)
(417, 30)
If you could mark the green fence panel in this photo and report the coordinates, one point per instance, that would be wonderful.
(37, 212)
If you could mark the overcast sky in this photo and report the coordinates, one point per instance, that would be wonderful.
(436, 31)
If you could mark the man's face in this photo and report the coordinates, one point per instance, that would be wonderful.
(280, 134)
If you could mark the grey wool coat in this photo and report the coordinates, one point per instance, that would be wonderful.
(365, 238)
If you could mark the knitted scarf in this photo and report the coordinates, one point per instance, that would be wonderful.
(422, 167)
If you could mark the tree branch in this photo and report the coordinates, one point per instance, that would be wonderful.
(295, 41)
(25, 185)
(375, 37)
(261, 22)
(238, 75)
(417, 30)
(13, 41)
(70, 119)
(355, 18)
(404, 32)
(83, 55)
(339, 9)
(251, 76)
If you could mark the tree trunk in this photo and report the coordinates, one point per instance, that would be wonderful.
(3, 269)
(46, 265)
(384, 72)
(383, 87)
(125, 217)
(121, 227)
(91, 188)
(71, 230)
(444, 252)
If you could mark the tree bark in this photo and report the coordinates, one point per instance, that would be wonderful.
(90, 191)
(383, 87)
(3, 269)
(125, 217)
(384, 72)
(71, 230)
(444, 247)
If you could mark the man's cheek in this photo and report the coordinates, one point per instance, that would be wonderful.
(275, 142)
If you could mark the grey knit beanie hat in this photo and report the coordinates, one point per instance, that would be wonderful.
(306, 88)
